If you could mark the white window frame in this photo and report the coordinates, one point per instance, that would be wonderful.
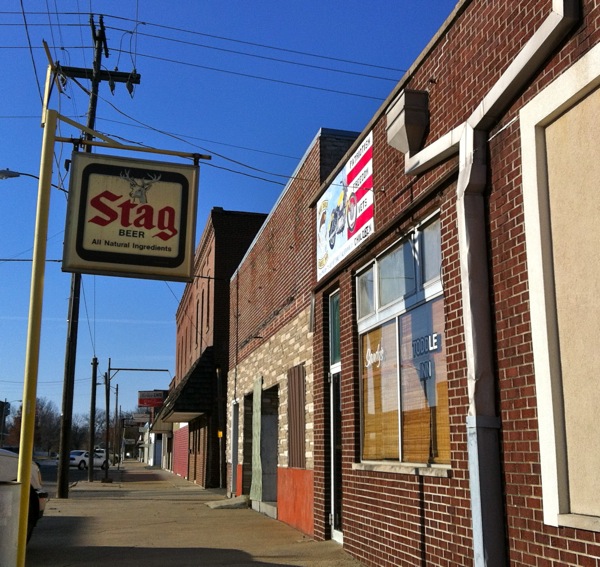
(424, 291)
(562, 94)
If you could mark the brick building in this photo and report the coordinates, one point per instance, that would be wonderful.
(192, 418)
(444, 310)
(270, 394)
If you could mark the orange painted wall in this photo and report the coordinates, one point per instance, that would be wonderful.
(239, 480)
(295, 497)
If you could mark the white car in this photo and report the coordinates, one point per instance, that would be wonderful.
(80, 459)
(38, 497)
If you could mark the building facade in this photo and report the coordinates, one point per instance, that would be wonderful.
(192, 418)
(270, 390)
(449, 321)
(439, 317)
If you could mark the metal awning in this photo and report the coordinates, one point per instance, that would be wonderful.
(194, 396)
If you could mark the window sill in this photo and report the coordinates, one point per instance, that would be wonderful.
(579, 521)
(440, 471)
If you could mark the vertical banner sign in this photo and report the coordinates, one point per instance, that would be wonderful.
(345, 211)
(131, 218)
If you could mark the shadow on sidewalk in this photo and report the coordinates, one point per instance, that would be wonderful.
(161, 556)
(67, 529)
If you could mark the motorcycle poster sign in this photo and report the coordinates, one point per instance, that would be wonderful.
(345, 211)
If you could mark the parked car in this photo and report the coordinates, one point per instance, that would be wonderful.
(80, 459)
(38, 497)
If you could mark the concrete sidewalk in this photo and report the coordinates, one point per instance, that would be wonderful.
(150, 517)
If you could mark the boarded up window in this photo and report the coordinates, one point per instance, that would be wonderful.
(574, 204)
(296, 417)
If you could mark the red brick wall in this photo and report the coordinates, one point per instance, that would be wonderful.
(393, 519)
(203, 312)
(530, 539)
(274, 282)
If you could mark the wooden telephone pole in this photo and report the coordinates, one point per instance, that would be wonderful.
(96, 75)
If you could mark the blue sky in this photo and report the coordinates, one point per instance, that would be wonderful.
(249, 83)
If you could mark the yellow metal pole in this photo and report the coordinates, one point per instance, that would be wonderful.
(34, 329)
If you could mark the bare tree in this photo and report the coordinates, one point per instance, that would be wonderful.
(47, 427)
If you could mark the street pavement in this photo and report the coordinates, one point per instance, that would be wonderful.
(149, 517)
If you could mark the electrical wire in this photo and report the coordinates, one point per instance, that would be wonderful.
(137, 22)
(87, 316)
(263, 46)
(258, 77)
(287, 177)
(256, 56)
(37, 79)
(189, 137)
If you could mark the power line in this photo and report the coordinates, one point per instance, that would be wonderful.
(287, 177)
(220, 38)
(37, 80)
(262, 45)
(254, 55)
(261, 78)
(189, 137)
(251, 76)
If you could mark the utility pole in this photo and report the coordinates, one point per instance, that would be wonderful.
(107, 432)
(92, 439)
(97, 75)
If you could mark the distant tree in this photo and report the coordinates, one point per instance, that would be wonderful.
(80, 431)
(47, 427)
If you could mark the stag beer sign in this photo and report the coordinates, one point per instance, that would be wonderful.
(131, 218)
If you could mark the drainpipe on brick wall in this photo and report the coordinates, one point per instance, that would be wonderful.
(469, 140)
(483, 425)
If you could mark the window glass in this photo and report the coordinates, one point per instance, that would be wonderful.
(396, 274)
(432, 251)
(334, 329)
(404, 386)
(366, 293)
(424, 385)
(379, 362)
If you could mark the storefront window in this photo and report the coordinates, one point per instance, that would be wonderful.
(380, 393)
(432, 251)
(396, 274)
(404, 383)
(424, 385)
(365, 293)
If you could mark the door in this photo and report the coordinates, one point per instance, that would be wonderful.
(336, 459)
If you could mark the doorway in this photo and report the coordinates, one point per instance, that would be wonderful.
(336, 459)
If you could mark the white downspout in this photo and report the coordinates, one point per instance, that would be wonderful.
(470, 141)
(483, 425)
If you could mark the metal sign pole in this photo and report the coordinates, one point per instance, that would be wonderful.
(32, 354)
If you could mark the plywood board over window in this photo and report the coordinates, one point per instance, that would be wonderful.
(560, 131)
(572, 144)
